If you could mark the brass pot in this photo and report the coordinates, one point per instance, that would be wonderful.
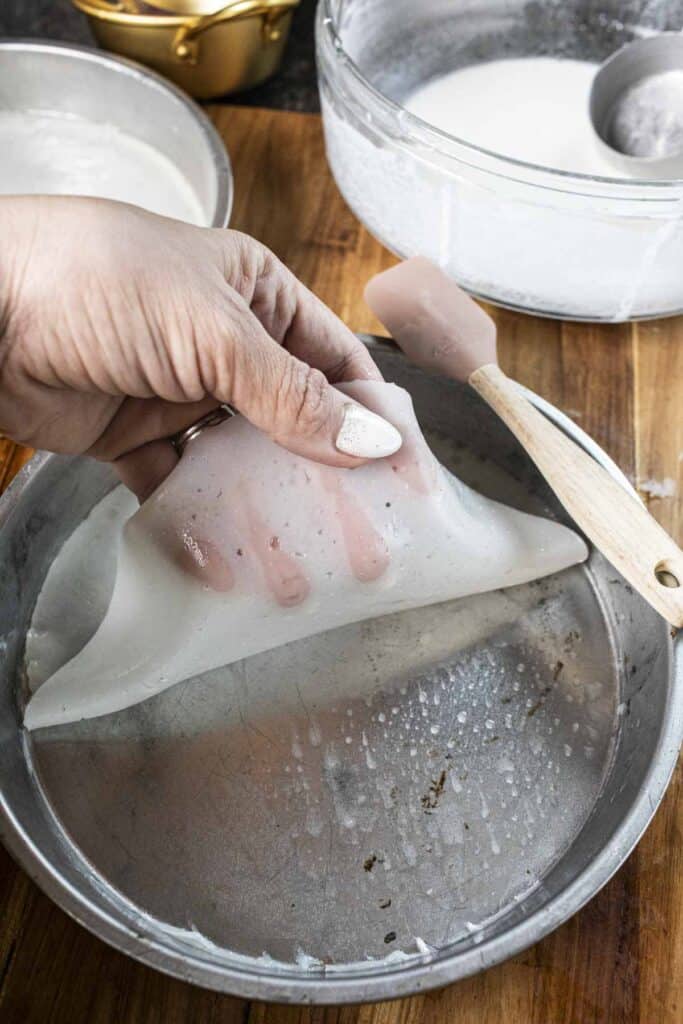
(234, 47)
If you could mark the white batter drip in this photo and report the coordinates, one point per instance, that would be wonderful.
(55, 154)
(532, 108)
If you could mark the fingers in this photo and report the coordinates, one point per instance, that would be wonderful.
(269, 347)
(136, 440)
(145, 468)
(319, 338)
(290, 400)
(292, 315)
(142, 471)
(140, 420)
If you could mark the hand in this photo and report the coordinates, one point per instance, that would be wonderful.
(119, 328)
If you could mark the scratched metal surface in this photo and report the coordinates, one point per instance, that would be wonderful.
(426, 778)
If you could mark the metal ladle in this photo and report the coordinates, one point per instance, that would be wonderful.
(636, 107)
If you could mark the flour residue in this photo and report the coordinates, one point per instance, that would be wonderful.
(652, 488)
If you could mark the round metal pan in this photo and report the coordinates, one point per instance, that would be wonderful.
(61, 78)
(363, 815)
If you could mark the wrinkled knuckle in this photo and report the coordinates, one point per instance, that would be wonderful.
(248, 253)
(274, 298)
(277, 304)
(305, 399)
(243, 261)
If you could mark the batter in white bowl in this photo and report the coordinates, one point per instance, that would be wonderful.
(531, 108)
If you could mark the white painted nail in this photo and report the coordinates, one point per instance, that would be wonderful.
(366, 435)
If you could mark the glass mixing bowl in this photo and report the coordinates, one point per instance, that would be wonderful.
(528, 237)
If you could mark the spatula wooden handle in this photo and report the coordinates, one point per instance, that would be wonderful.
(612, 519)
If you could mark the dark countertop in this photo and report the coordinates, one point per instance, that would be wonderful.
(294, 88)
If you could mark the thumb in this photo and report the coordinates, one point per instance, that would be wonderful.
(292, 402)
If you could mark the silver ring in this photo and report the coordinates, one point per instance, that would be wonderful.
(181, 440)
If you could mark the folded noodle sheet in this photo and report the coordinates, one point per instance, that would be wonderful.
(246, 547)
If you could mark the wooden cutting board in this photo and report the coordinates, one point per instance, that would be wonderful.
(618, 960)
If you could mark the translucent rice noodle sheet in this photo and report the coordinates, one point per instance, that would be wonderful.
(246, 547)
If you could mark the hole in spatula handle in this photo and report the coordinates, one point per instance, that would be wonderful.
(666, 576)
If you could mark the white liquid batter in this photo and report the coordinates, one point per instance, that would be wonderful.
(59, 155)
(535, 240)
(533, 109)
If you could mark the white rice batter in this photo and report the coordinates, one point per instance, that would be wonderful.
(56, 154)
(565, 247)
(533, 109)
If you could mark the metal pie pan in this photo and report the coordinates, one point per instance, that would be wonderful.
(381, 810)
(84, 83)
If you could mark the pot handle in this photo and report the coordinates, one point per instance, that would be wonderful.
(185, 43)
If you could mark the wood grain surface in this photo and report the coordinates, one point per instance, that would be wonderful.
(621, 958)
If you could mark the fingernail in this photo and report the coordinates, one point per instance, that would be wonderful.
(366, 435)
